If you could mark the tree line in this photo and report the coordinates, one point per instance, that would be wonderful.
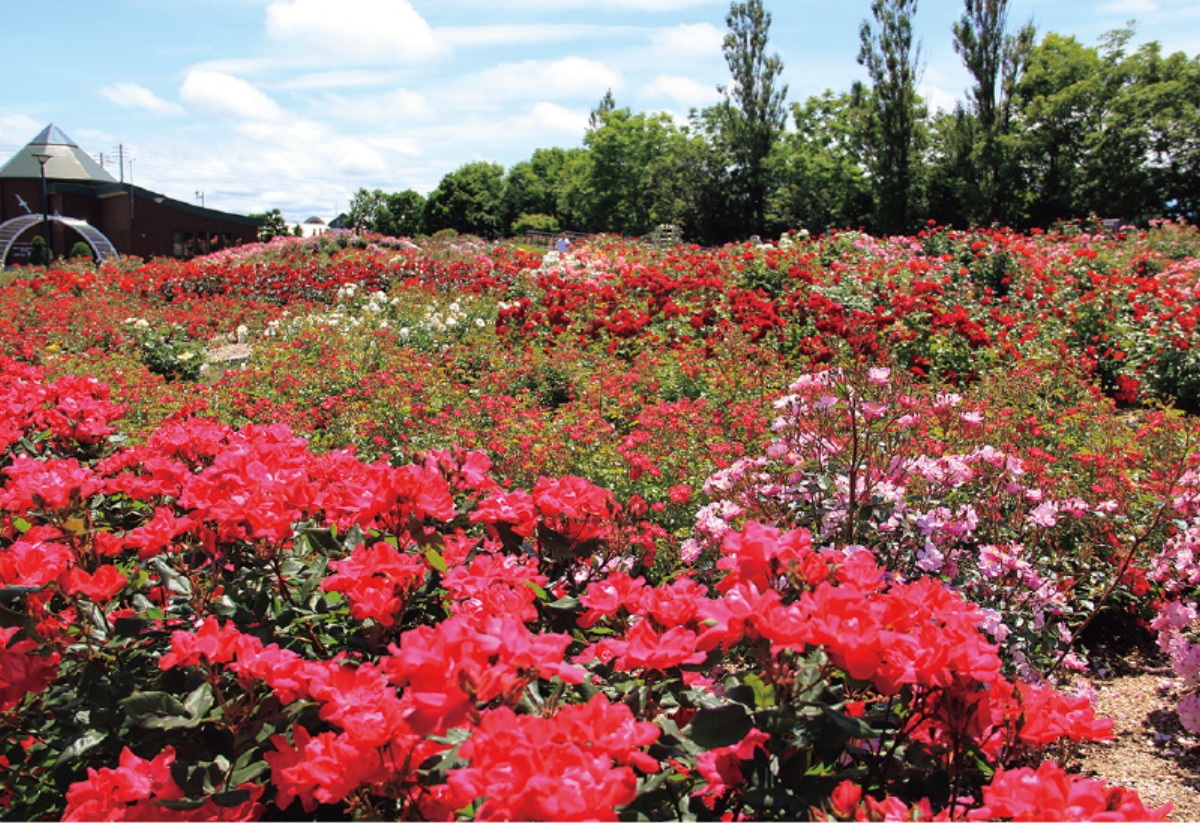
(1051, 130)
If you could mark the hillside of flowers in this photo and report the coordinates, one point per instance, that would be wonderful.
(836, 527)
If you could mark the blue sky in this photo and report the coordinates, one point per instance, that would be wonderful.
(295, 104)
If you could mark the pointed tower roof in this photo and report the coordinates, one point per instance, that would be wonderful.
(67, 161)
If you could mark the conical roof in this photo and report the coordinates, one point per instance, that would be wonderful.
(67, 161)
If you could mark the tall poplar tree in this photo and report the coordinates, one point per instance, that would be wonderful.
(892, 62)
(996, 59)
(753, 112)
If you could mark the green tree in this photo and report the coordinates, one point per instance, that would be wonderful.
(722, 210)
(820, 179)
(469, 200)
(535, 186)
(891, 58)
(1119, 179)
(979, 40)
(1110, 133)
(573, 206)
(954, 194)
(1060, 97)
(1170, 111)
(403, 215)
(615, 189)
(399, 214)
(1142, 156)
(752, 114)
(995, 59)
(368, 210)
(271, 224)
(607, 104)
(680, 183)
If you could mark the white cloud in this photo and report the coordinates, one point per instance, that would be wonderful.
(352, 78)
(400, 106)
(228, 96)
(659, 5)
(133, 96)
(18, 129)
(354, 157)
(636, 5)
(683, 91)
(551, 78)
(688, 40)
(552, 117)
(354, 31)
(509, 34)
(937, 98)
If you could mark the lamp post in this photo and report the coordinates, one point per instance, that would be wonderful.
(42, 159)
(158, 201)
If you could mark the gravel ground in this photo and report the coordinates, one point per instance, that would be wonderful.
(1150, 753)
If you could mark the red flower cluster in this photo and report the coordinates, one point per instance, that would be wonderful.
(140, 789)
(576, 765)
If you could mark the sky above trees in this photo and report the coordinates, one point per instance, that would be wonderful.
(296, 104)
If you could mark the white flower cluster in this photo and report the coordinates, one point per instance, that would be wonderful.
(434, 324)
(792, 238)
(440, 323)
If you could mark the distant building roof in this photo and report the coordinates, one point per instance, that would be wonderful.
(316, 221)
(67, 161)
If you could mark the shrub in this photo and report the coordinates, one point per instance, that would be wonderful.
(526, 223)
(81, 249)
(39, 254)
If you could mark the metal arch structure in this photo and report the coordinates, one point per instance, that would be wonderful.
(10, 230)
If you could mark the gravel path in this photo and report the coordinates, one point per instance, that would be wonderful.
(1151, 753)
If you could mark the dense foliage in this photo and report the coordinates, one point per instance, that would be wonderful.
(827, 527)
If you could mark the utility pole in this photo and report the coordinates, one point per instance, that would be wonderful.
(121, 160)
(200, 197)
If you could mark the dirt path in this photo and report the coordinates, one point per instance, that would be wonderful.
(1151, 753)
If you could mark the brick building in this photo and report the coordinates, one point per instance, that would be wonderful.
(135, 221)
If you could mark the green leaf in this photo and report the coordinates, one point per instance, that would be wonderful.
(130, 626)
(537, 590)
(435, 560)
(90, 740)
(743, 694)
(18, 592)
(564, 604)
(322, 540)
(225, 606)
(183, 804)
(165, 723)
(199, 701)
(232, 797)
(21, 524)
(764, 694)
(722, 726)
(145, 705)
(354, 538)
(248, 773)
(853, 726)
